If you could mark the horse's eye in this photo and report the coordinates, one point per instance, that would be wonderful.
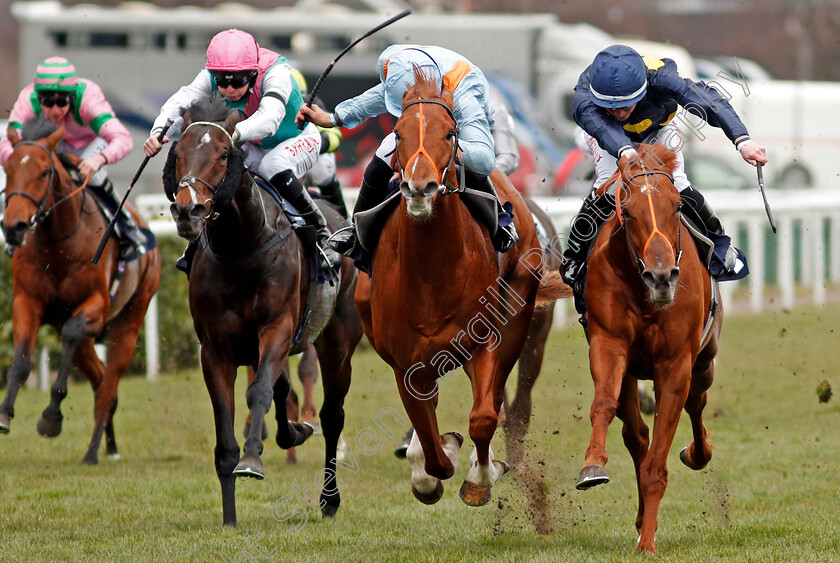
(45, 174)
(397, 136)
(224, 156)
(626, 214)
(450, 135)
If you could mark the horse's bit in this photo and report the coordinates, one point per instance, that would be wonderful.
(647, 189)
(445, 187)
(189, 180)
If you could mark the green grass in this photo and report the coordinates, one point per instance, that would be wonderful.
(771, 492)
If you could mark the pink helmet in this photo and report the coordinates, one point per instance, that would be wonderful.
(233, 50)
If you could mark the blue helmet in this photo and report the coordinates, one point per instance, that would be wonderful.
(617, 77)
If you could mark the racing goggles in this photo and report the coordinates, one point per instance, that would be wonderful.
(54, 99)
(236, 79)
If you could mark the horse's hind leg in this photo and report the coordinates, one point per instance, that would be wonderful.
(74, 331)
(219, 378)
(27, 321)
(252, 373)
(92, 367)
(635, 433)
(530, 362)
(308, 375)
(698, 454)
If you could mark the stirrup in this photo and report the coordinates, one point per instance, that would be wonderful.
(343, 241)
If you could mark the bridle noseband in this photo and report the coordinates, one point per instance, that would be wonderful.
(444, 186)
(188, 181)
(647, 189)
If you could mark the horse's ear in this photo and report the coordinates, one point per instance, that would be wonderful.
(13, 135)
(52, 140)
(446, 96)
(187, 117)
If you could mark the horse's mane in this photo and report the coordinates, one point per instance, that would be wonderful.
(38, 127)
(426, 86)
(659, 157)
(210, 108)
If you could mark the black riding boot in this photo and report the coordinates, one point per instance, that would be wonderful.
(133, 236)
(291, 189)
(505, 236)
(585, 226)
(373, 191)
(710, 220)
(331, 192)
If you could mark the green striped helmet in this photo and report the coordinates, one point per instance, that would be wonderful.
(56, 74)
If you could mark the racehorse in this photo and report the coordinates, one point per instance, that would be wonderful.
(438, 296)
(249, 288)
(56, 283)
(650, 316)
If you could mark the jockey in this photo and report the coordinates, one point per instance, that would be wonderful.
(622, 100)
(505, 147)
(473, 113)
(91, 130)
(258, 84)
(322, 174)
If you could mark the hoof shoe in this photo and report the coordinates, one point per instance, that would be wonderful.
(592, 476)
(249, 467)
(474, 495)
(429, 498)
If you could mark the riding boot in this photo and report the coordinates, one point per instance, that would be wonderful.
(291, 189)
(331, 192)
(108, 194)
(710, 220)
(585, 226)
(373, 191)
(505, 235)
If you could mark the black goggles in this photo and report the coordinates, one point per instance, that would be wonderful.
(237, 79)
(50, 100)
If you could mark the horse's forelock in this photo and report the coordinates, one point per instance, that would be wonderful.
(425, 85)
(660, 157)
(38, 127)
(211, 108)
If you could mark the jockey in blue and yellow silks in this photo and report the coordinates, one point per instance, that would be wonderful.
(623, 99)
(473, 114)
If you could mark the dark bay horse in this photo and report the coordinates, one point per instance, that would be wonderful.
(649, 300)
(440, 297)
(55, 283)
(249, 287)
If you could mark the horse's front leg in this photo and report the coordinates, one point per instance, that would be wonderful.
(86, 323)
(608, 364)
(698, 454)
(671, 384)
(433, 457)
(487, 386)
(219, 378)
(26, 321)
(635, 433)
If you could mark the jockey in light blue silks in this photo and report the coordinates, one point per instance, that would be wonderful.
(473, 114)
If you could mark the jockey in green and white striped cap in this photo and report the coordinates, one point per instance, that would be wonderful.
(56, 74)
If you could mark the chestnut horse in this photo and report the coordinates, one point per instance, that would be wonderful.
(249, 287)
(439, 296)
(56, 226)
(649, 301)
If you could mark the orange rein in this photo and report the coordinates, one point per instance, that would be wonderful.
(647, 189)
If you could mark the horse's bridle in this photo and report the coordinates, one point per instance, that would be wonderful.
(42, 212)
(188, 181)
(647, 189)
(444, 186)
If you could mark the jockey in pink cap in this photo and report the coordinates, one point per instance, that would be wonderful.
(91, 130)
(258, 84)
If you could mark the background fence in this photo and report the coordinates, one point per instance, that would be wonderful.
(794, 266)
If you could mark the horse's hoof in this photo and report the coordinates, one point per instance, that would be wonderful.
(316, 426)
(474, 495)
(114, 456)
(329, 510)
(687, 462)
(90, 460)
(309, 428)
(456, 435)
(49, 428)
(592, 476)
(5, 423)
(400, 451)
(429, 498)
(249, 467)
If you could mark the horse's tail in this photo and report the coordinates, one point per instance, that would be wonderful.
(551, 289)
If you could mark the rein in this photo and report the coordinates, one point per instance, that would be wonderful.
(42, 212)
(647, 190)
(444, 186)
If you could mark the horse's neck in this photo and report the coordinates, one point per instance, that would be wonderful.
(242, 221)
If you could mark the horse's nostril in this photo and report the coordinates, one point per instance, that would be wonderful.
(648, 278)
(675, 274)
(197, 211)
(431, 188)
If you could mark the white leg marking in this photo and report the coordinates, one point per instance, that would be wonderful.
(421, 481)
